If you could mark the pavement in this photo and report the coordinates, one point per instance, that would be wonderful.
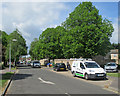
(44, 81)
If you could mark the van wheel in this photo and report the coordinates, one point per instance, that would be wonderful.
(86, 76)
(74, 74)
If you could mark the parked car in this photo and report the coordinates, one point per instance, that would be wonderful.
(21, 62)
(59, 66)
(28, 63)
(111, 67)
(87, 69)
(35, 64)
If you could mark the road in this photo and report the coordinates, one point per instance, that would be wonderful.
(41, 81)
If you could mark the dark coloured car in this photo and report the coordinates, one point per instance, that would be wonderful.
(59, 67)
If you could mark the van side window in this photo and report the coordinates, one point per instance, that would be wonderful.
(76, 64)
(82, 66)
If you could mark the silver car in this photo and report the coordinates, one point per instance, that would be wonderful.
(35, 64)
(111, 67)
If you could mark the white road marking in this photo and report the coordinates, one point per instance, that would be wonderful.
(67, 94)
(47, 82)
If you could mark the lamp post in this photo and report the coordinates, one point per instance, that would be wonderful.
(10, 55)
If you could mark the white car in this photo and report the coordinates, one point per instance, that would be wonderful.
(87, 69)
(35, 64)
(111, 67)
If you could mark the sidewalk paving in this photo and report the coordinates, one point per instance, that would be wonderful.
(114, 84)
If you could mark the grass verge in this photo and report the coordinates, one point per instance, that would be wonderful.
(5, 78)
(113, 74)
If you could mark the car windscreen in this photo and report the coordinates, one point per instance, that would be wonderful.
(91, 65)
(111, 64)
(59, 64)
(36, 62)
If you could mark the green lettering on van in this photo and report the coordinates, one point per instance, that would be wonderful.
(79, 74)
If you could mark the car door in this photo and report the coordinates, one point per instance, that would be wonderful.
(80, 69)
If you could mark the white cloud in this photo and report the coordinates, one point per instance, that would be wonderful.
(114, 38)
(31, 18)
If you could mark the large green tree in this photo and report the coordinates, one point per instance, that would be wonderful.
(4, 42)
(84, 34)
(49, 44)
(18, 47)
(88, 33)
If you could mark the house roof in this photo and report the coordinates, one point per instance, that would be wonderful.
(114, 51)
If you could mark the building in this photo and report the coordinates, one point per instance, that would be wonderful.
(114, 55)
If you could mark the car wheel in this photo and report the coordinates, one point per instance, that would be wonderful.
(86, 76)
(104, 78)
(74, 74)
(56, 69)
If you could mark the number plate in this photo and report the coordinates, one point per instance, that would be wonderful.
(100, 74)
(61, 68)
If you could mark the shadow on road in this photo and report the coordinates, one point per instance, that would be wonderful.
(94, 79)
(21, 76)
(23, 67)
(62, 71)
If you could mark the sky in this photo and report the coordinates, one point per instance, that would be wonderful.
(31, 18)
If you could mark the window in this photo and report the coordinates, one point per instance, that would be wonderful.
(115, 55)
(92, 65)
(82, 66)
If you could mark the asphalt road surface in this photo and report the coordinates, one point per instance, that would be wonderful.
(41, 81)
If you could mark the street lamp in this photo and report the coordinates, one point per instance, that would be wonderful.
(10, 54)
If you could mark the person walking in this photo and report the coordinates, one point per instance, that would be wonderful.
(68, 66)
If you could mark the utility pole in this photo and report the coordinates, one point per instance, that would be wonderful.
(10, 57)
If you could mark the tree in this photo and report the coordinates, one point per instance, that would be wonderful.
(50, 39)
(49, 44)
(4, 40)
(18, 48)
(115, 46)
(87, 33)
(32, 50)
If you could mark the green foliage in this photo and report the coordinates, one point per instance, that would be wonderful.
(17, 47)
(84, 34)
(4, 41)
(48, 45)
(89, 33)
(115, 46)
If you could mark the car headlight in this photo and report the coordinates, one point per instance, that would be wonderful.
(91, 70)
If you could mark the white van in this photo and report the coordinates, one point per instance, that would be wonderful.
(87, 69)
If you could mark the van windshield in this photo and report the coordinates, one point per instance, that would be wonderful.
(91, 65)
